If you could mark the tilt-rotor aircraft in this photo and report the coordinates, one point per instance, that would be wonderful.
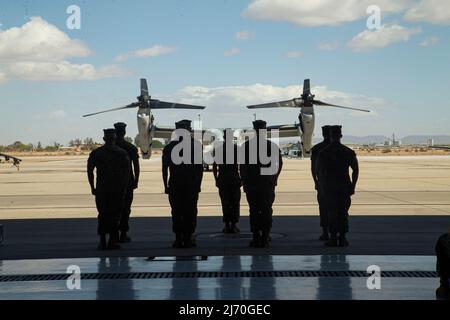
(147, 130)
(306, 117)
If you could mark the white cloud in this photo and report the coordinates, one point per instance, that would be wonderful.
(314, 13)
(232, 52)
(3, 77)
(295, 54)
(244, 35)
(155, 51)
(432, 11)
(57, 115)
(38, 40)
(38, 51)
(328, 46)
(61, 71)
(226, 105)
(383, 37)
(236, 97)
(429, 42)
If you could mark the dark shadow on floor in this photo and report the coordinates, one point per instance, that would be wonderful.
(76, 238)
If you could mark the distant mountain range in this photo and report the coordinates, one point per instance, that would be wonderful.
(379, 139)
(441, 139)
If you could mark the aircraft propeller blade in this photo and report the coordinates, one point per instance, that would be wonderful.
(280, 104)
(320, 103)
(306, 87)
(132, 105)
(144, 88)
(157, 104)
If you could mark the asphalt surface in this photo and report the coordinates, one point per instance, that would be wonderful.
(401, 206)
(152, 236)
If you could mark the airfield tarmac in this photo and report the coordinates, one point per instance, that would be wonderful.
(401, 207)
(57, 187)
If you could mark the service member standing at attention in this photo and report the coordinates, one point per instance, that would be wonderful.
(259, 185)
(133, 155)
(334, 182)
(228, 180)
(112, 169)
(320, 197)
(182, 182)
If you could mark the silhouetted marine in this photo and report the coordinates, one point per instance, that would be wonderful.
(133, 182)
(335, 184)
(228, 180)
(183, 187)
(320, 196)
(260, 188)
(113, 172)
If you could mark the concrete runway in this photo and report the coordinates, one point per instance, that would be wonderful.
(401, 206)
(56, 187)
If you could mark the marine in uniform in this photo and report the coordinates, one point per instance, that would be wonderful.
(228, 181)
(443, 265)
(133, 182)
(336, 185)
(182, 183)
(320, 197)
(260, 188)
(112, 170)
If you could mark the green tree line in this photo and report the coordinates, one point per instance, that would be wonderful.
(86, 144)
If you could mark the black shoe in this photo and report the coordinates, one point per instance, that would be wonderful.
(256, 241)
(113, 246)
(234, 228)
(331, 243)
(265, 243)
(124, 238)
(102, 244)
(265, 240)
(189, 241)
(324, 237)
(227, 228)
(343, 242)
(177, 244)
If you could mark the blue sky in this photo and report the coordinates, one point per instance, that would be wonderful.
(401, 71)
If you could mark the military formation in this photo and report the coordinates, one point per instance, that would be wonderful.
(116, 164)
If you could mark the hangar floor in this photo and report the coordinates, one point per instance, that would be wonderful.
(323, 277)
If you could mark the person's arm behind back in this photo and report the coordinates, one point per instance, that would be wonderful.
(355, 173)
(314, 167)
(90, 173)
(136, 169)
(165, 168)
